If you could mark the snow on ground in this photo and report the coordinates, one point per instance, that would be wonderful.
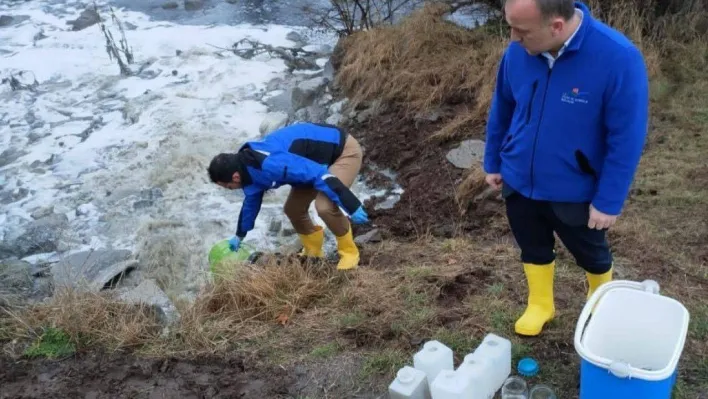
(121, 155)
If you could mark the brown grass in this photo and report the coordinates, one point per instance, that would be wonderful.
(424, 62)
(459, 289)
(89, 319)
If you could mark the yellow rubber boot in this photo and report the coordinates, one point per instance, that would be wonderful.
(312, 243)
(348, 252)
(541, 308)
(596, 280)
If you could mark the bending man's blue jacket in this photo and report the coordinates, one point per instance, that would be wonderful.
(298, 155)
(574, 132)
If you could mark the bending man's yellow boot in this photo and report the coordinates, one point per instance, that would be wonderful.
(541, 308)
(312, 243)
(348, 252)
(596, 280)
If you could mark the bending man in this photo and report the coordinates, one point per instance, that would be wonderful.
(320, 162)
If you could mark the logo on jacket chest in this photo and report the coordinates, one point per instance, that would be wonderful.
(575, 96)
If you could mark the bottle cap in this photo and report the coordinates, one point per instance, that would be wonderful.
(527, 367)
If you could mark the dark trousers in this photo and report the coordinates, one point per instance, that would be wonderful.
(534, 222)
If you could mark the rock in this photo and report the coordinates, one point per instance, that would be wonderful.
(149, 293)
(304, 94)
(431, 116)
(337, 107)
(328, 72)
(170, 5)
(16, 282)
(275, 226)
(9, 156)
(372, 236)
(295, 37)
(279, 102)
(319, 49)
(43, 212)
(92, 270)
(10, 20)
(88, 17)
(8, 197)
(469, 153)
(335, 119)
(40, 236)
(193, 5)
(273, 121)
(316, 113)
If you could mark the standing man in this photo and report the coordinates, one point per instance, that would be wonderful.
(565, 134)
(320, 162)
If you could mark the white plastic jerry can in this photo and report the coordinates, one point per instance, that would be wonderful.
(409, 384)
(497, 352)
(450, 384)
(478, 372)
(433, 358)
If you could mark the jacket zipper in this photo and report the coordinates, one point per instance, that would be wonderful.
(538, 127)
(533, 94)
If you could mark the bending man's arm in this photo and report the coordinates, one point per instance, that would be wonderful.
(293, 169)
(249, 211)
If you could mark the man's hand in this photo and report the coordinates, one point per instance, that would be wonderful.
(234, 243)
(360, 216)
(494, 180)
(599, 220)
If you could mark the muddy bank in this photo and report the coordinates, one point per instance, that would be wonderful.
(429, 180)
(124, 376)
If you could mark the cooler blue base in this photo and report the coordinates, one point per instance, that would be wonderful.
(600, 383)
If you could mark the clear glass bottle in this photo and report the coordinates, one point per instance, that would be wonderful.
(514, 388)
(541, 391)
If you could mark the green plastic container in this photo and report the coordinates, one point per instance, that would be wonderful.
(222, 260)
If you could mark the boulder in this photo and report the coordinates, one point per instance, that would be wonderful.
(16, 282)
(150, 294)
(469, 153)
(193, 5)
(11, 20)
(92, 270)
(9, 156)
(39, 236)
(305, 93)
(88, 17)
(372, 236)
(273, 121)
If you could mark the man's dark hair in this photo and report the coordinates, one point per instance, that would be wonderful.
(556, 8)
(222, 167)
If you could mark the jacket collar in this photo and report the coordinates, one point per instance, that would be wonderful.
(577, 40)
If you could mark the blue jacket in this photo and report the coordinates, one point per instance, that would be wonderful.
(298, 155)
(574, 132)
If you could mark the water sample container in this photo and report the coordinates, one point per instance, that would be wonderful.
(497, 351)
(476, 370)
(451, 385)
(541, 391)
(433, 358)
(631, 346)
(514, 388)
(409, 384)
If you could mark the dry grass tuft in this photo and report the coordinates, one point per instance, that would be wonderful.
(89, 320)
(422, 63)
(254, 298)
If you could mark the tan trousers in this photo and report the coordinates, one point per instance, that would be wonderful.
(346, 168)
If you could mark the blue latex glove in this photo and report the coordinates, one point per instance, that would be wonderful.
(234, 243)
(360, 216)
